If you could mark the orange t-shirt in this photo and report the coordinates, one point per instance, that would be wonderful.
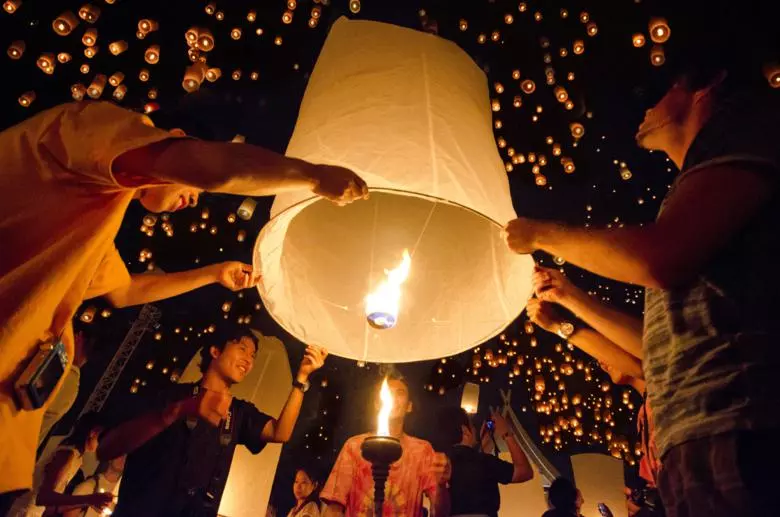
(60, 209)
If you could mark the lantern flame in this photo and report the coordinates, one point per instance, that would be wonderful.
(383, 304)
(383, 419)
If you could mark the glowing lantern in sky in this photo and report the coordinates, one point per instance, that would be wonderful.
(410, 113)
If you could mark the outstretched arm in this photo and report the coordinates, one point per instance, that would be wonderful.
(707, 209)
(522, 470)
(242, 169)
(150, 288)
(621, 330)
(280, 430)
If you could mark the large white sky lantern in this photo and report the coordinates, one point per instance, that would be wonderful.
(410, 113)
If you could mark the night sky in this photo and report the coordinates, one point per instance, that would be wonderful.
(611, 83)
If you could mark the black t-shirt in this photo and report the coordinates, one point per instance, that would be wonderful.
(475, 479)
(182, 464)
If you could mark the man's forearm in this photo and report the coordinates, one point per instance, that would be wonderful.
(282, 428)
(131, 435)
(625, 254)
(619, 329)
(599, 347)
(229, 168)
(151, 288)
(522, 467)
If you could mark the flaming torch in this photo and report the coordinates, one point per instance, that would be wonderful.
(382, 450)
(382, 304)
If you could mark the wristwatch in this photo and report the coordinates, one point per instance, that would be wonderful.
(565, 329)
(303, 386)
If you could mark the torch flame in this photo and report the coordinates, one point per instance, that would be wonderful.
(383, 419)
(382, 305)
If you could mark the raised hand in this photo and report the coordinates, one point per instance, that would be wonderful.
(340, 185)
(551, 285)
(236, 275)
(520, 235)
(543, 314)
(313, 359)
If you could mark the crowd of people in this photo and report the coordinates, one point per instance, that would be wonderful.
(704, 354)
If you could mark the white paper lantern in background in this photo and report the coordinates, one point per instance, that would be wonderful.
(469, 401)
(600, 479)
(410, 113)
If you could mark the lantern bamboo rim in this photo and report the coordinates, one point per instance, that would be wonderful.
(309, 201)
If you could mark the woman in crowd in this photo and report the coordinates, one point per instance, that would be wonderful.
(48, 497)
(306, 489)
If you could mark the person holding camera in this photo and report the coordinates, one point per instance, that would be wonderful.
(476, 473)
(179, 455)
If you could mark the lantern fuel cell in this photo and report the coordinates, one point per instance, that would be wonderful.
(410, 113)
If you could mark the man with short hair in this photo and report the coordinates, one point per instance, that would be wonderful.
(476, 474)
(179, 454)
(420, 471)
(67, 176)
(709, 344)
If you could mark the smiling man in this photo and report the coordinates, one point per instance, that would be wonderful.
(179, 454)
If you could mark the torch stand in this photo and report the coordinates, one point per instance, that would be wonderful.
(381, 452)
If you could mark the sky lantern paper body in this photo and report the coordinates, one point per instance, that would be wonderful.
(410, 113)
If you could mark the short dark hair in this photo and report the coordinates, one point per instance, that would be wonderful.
(453, 419)
(562, 495)
(220, 341)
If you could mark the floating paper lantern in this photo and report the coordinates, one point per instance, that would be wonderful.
(143, 75)
(211, 8)
(287, 17)
(205, 40)
(772, 74)
(63, 57)
(16, 49)
(65, 23)
(251, 16)
(152, 54)
(116, 79)
(213, 74)
(117, 47)
(193, 77)
(235, 33)
(528, 86)
(657, 55)
(78, 91)
(247, 209)
(95, 89)
(469, 401)
(146, 25)
(26, 99)
(659, 30)
(442, 172)
(90, 37)
(354, 6)
(90, 52)
(10, 6)
(120, 92)
(638, 40)
(46, 63)
(89, 13)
